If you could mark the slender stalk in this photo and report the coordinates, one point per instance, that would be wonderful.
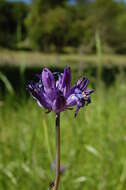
(56, 184)
(99, 56)
(47, 140)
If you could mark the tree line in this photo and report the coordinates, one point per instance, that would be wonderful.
(63, 26)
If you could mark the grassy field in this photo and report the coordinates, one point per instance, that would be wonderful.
(30, 59)
(92, 145)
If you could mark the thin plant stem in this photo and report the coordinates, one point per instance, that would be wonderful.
(56, 183)
(99, 57)
(47, 140)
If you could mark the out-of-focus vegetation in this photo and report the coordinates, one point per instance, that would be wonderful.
(63, 26)
(12, 27)
(37, 59)
(92, 145)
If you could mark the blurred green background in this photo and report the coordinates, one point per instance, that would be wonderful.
(90, 37)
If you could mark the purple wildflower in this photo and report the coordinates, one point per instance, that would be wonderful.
(62, 168)
(53, 91)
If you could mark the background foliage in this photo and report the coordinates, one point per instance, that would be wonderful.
(61, 26)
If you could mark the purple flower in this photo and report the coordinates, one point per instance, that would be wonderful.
(53, 91)
(62, 168)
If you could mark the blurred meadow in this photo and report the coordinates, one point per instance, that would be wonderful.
(90, 37)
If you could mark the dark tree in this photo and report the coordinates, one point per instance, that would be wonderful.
(11, 16)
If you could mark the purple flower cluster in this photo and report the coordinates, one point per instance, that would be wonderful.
(53, 91)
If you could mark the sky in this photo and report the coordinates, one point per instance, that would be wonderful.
(27, 1)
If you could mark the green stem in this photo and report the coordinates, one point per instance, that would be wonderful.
(47, 139)
(99, 56)
(56, 184)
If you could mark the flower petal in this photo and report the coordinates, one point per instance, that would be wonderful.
(80, 104)
(76, 99)
(83, 83)
(58, 104)
(71, 100)
(36, 92)
(59, 81)
(64, 82)
(49, 83)
(88, 92)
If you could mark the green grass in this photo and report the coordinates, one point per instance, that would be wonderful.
(93, 146)
(36, 59)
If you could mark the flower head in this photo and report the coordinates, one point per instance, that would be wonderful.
(54, 93)
(62, 168)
